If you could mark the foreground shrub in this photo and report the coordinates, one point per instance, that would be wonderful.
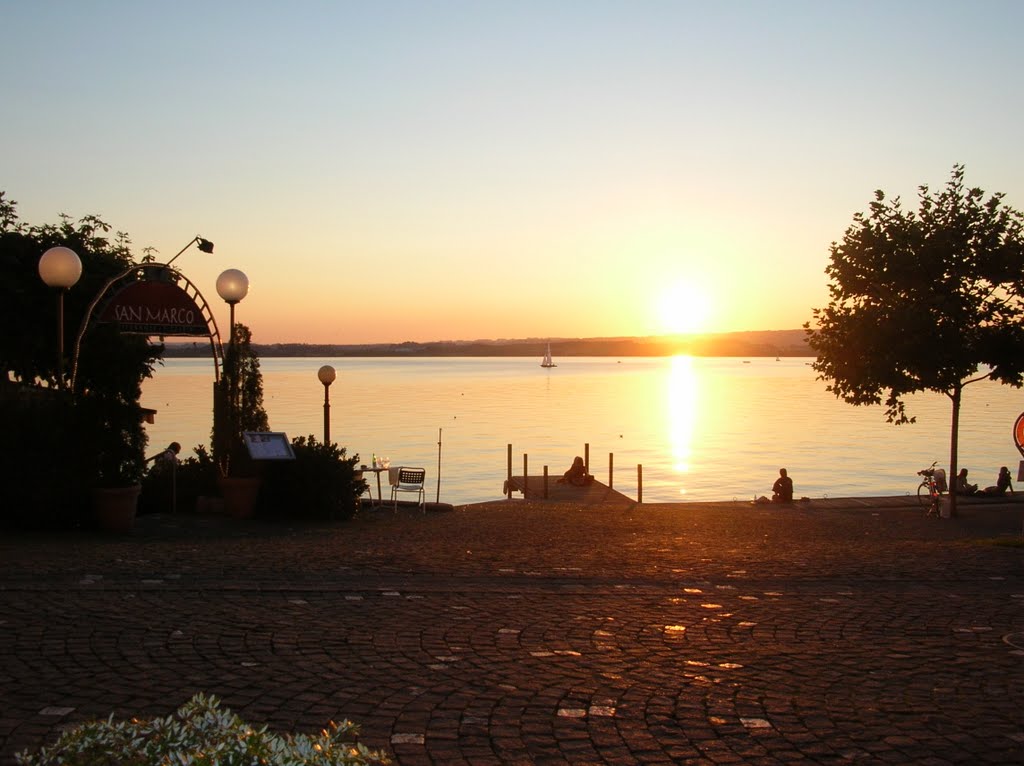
(195, 477)
(200, 733)
(319, 483)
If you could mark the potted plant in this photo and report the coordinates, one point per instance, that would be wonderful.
(114, 440)
(110, 438)
(237, 408)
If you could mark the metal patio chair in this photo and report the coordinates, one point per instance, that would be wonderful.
(410, 480)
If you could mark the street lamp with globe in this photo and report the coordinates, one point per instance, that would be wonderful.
(327, 375)
(232, 286)
(60, 267)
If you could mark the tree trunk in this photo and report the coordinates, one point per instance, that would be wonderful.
(954, 440)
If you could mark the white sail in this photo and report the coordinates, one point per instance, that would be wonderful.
(546, 361)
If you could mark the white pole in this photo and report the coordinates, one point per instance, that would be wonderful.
(438, 499)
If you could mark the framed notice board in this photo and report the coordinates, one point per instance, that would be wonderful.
(268, 445)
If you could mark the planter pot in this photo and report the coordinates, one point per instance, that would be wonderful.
(115, 507)
(239, 495)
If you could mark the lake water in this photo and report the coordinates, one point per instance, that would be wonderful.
(702, 428)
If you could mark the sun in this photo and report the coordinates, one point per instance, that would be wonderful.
(683, 308)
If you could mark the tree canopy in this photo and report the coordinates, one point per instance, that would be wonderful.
(931, 300)
(109, 360)
(62, 443)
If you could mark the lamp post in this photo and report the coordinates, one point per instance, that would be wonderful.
(327, 375)
(60, 267)
(232, 286)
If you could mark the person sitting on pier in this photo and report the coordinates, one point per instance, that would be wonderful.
(782, 489)
(577, 474)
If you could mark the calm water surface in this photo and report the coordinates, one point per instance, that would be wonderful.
(702, 428)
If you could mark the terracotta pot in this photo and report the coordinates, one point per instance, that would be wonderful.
(239, 495)
(115, 507)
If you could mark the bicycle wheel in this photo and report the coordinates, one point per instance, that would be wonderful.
(924, 495)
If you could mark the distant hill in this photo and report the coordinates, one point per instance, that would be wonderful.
(753, 343)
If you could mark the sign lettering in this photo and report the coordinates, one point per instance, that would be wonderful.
(154, 308)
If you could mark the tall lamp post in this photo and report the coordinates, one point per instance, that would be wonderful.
(232, 286)
(60, 267)
(327, 375)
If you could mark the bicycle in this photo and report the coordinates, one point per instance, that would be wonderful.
(929, 491)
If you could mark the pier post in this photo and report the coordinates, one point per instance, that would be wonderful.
(508, 484)
(639, 483)
(545, 482)
(611, 469)
(586, 456)
(526, 478)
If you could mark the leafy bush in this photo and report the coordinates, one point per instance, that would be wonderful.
(200, 733)
(48, 475)
(65, 447)
(113, 437)
(319, 483)
(195, 476)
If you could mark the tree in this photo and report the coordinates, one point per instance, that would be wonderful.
(59, 444)
(932, 301)
(238, 404)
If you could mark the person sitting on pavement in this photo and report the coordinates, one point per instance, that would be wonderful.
(577, 474)
(782, 489)
(964, 487)
(1002, 484)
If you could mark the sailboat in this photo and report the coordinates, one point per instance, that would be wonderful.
(546, 361)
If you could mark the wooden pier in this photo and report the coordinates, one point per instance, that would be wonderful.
(591, 494)
(545, 487)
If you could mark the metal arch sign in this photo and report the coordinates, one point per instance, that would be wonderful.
(1018, 433)
(154, 308)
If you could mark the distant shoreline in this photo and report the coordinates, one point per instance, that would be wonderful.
(765, 343)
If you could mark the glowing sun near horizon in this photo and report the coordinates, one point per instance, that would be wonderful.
(683, 308)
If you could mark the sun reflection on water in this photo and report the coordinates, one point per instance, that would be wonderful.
(682, 413)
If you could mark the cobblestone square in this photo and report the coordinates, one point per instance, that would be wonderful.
(530, 633)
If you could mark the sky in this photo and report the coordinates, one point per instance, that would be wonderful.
(409, 171)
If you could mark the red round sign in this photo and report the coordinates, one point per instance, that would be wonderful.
(1018, 433)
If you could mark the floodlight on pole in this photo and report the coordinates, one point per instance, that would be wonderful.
(204, 245)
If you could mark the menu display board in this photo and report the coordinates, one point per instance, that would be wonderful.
(268, 445)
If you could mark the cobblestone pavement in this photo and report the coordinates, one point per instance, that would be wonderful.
(522, 633)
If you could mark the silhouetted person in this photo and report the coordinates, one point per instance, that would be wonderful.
(159, 485)
(1002, 484)
(577, 474)
(164, 461)
(782, 489)
(963, 487)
